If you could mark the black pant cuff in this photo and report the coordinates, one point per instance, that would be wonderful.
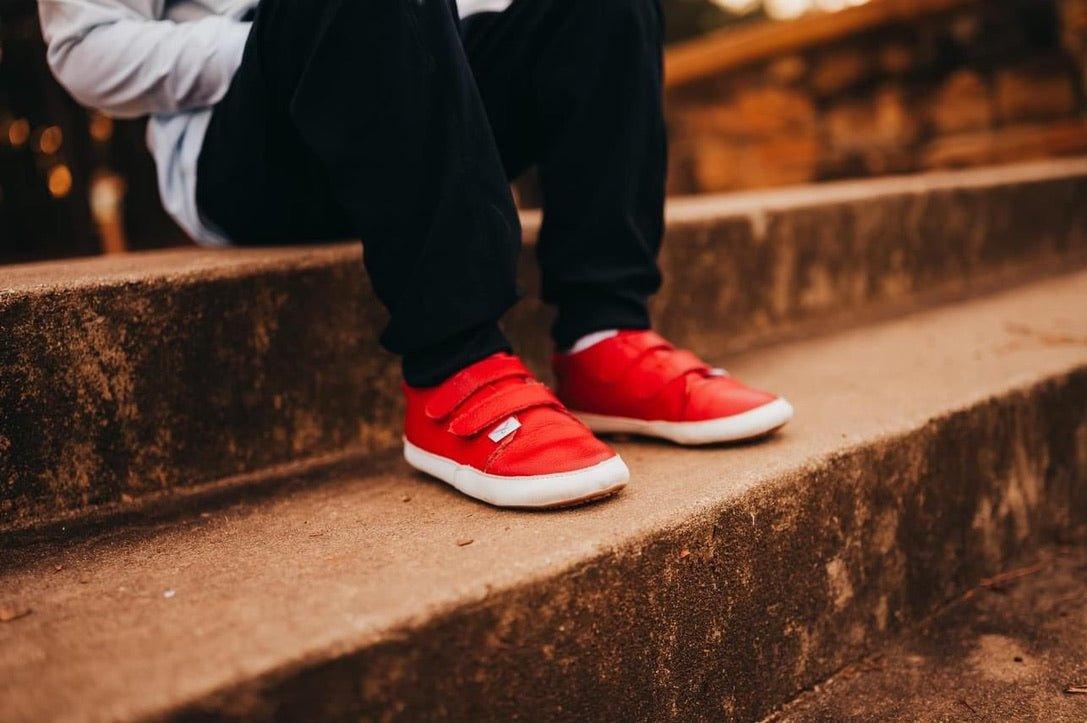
(591, 315)
(431, 366)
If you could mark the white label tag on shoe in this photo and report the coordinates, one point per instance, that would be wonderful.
(505, 429)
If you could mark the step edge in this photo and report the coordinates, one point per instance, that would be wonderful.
(746, 204)
(185, 266)
(469, 601)
(191, 265)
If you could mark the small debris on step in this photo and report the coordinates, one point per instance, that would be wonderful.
(1000, 580)
(968, 706)
(169, 593)
(1047, 338)
(1078, 689)
(58, 568)
(464, 541)
(11, 612)
(406, 498)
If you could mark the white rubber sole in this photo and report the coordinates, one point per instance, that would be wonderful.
(561, 489)
(748, 425)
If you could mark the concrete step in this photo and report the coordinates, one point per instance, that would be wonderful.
(1012, 649)
(928, 453)
(128, 379)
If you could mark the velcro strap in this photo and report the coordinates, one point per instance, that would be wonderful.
(500, 405)
(682, 362)
(656, 371)
(641, 343)
(467, 382)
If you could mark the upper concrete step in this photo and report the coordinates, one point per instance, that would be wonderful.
(127, 376)
(927, 453)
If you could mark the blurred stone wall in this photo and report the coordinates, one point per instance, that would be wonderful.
(990, 82)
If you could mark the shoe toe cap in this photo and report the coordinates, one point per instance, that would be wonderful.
(715, 398)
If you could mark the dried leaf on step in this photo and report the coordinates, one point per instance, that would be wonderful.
(13, 612)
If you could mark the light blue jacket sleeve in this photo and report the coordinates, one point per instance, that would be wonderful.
(122, 58)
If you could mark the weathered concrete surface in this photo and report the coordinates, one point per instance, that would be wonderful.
(1014, 649)
(122, 377)
(927, 453)
(764, 266)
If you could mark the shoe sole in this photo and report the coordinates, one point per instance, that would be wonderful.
(545, 491)
(748, 425)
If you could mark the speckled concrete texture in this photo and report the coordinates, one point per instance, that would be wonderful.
(747, 269)
(124, 377)
(927, 454)
(120, 377)
(1012, 649)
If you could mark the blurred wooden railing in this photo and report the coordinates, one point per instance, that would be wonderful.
(730, 48)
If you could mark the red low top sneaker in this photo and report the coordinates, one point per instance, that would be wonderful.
(495, 433)
(638, 383)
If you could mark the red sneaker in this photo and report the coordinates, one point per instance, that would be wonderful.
(496, 434)
(636, 382)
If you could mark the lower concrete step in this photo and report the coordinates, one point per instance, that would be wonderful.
(135, 377)
(927, 454)
(1012, 649)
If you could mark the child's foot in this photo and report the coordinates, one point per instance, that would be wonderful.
(496, 434)
(636, 382)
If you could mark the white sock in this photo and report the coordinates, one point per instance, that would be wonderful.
(591, 339)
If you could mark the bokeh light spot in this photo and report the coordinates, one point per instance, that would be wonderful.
(60, 181)
(50, 140)
(18, 132)
(101, 127)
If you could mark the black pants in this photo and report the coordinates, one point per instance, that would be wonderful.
(387, 121)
